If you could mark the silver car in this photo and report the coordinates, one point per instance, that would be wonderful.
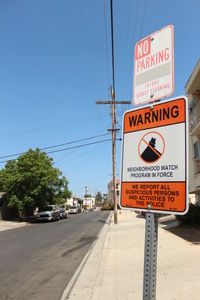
(63, 213)
(48, 213)
(73, 210)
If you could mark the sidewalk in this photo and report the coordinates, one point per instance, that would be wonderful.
(8, 225)
(113, 269)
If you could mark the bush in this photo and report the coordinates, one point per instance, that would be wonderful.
(107, 207)
(110, 207)
(192, 216)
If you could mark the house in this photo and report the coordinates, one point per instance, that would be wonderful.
(192, 90)
(89, 202)
(74, 201)
(105, 199)
(110, 200)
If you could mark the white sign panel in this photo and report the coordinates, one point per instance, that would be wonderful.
(154, 158)
(154, 67)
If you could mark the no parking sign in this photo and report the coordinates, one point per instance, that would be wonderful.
(154, 158)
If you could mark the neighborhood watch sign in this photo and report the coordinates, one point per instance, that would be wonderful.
(154, 67)
(154, 158)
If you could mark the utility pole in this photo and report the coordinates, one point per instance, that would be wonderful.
(113, 130)
(114, 156)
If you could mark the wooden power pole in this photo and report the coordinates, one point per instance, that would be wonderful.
(113, 130)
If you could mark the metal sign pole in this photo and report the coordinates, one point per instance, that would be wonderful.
(150, 256)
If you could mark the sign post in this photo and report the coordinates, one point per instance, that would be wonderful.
(154, 167)
(154, 171)
(150, 256)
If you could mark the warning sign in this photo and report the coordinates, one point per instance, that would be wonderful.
(154, 158)
(154, 66)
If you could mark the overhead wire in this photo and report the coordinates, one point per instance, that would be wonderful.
(112, 46)
(86, 160)
(97, 134)
(76, 157)
(69, 148)
(135, 39)
(58, 145)
(130, 69)
(106, 44)
(128, 38)
(88, 45)
(143, 16)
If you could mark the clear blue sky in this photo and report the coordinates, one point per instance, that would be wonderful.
(55, 62)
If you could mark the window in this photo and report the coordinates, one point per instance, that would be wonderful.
(196, 150)
(191, 106)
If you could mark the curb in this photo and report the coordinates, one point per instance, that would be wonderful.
(167, 222)
(95, 250)
(10, 225)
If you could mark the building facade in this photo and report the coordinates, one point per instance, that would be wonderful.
(192, 90)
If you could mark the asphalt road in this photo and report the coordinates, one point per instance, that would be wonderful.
(38, 261)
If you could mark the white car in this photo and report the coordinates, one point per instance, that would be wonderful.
(73, 210)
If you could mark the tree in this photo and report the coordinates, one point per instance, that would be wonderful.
(98, 198)
(32, 181)
(87, 196)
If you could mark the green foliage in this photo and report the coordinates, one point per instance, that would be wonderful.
(98, 197)
(67, 206)
(192, 216)
(107, 207)
(32, 181)
(15, 203)
(87, 196)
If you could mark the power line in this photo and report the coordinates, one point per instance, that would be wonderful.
(79, 146)
(134, 40)
(112, 41)
(144, 11)
(113, 103)
(106, 42)
(58, 145)
(88, 44)
(85, 161)
(128, 38)
(69, 148)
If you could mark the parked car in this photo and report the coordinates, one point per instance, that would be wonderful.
(48, 213)
(73, 210)
(63, 213)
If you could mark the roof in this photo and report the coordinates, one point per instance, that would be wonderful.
(193, 82)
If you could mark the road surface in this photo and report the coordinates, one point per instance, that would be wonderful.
(38, 261)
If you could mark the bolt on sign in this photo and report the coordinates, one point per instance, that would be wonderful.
(154, 66)
(154, 158)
